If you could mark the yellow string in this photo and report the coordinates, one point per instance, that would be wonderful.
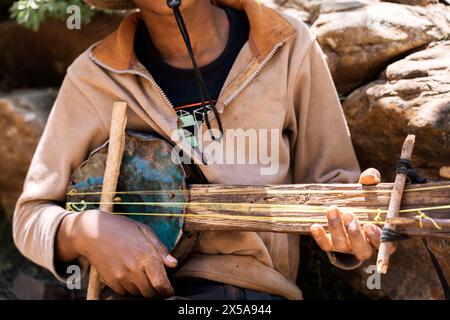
(82, 205)
(377, 219)
(78, 208)
(237, 217)
(378, 216)
(422, 215)
(74, 192)
(281, 207)
(427, 188)
(229, 205)
(425, 208)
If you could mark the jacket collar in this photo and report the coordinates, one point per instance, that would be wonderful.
(267, 28)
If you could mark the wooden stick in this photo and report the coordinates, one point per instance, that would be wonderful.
(115, 152)
(386, 248)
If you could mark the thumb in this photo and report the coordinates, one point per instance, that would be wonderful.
(168, 260)
(370, 176)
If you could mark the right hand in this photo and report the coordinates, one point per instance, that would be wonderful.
(128, 255)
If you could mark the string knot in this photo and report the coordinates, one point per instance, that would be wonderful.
(377, 218)
(422, 215)
(70, 206)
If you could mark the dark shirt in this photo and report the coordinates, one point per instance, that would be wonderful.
(180, 85)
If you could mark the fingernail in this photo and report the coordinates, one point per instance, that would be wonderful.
(353, 226)
(348, 218)
(333, 213)
(171, 259)
(314, 229)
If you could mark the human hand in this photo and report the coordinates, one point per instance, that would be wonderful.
(346, 234)
(127, 254)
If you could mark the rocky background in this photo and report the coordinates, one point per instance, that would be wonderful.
(391, 65)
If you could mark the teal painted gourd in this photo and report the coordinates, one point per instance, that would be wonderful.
(146, 166)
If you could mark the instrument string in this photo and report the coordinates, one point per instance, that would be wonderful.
(281, 207)
(261, 207)
(422, 215)
(82, 205)
(74, 192)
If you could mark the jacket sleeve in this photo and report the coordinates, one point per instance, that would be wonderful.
(323, 151)
(73, 129)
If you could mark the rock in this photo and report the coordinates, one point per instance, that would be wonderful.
(413, 96)
(288, 8)
(414, 2)
(298, 14)
(363, 38)
(310, 10)
(40, 59)
(411, 275)
(23, 115)
(275, 4)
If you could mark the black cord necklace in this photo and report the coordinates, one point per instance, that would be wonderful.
(203, 89)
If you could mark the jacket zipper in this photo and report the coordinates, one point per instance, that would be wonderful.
(166, 99)
(130, 71)
(254, 75)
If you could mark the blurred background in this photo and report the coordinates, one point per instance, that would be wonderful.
(390, 62)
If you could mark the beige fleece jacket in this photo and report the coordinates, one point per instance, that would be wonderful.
(279, 81)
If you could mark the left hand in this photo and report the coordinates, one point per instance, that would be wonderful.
(346, 233)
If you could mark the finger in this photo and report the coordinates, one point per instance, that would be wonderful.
(166, 257)
(361, 247)
(131, 288)
(157, 275)
(337, 230)
(373, 234)
(116, 287)
(370, 176)
(144, 286)
(322, 239)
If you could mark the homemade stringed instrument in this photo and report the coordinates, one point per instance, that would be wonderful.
(152, 189)
(134, 174)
